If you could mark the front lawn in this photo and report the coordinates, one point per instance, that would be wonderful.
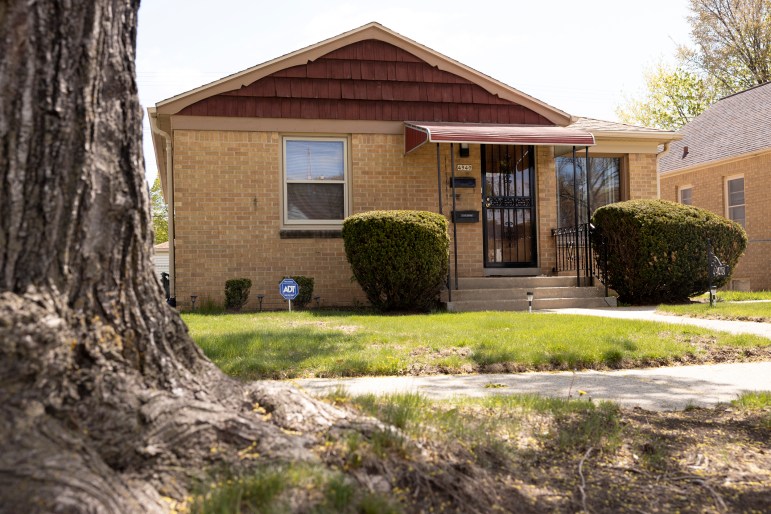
(333, 344)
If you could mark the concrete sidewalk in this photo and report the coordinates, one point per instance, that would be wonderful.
(670, 388)
(650, 314)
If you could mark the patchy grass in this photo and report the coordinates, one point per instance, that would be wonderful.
(553, 455)
(335, 344)
(753, 311)
(284, 488)
(758, 402)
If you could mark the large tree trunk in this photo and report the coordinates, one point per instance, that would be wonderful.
(106, 405)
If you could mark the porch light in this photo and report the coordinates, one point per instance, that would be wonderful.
(463, 150)
(712, 295)
(259, 299)
(530, 302)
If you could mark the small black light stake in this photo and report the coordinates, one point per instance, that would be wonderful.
(318, 301)
(712, 295)
(259, 299)
(193, 298)
(530, 302)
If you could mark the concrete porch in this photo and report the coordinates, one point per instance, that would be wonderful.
(510, 294)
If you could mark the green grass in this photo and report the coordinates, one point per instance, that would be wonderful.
(756, 401)
(282, 488)
(485, 425)
(760, 311)
(736, 296)
(333, 344)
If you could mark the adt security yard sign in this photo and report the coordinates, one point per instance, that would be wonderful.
(289, 289)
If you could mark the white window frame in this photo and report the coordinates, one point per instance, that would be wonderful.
(284, 182)
(688, 187)
(727, 198)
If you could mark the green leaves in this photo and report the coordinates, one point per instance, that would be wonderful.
(674, 97)
(657, 250)
(398, 257)
(160, 213)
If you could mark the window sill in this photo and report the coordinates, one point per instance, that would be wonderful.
(311, 234)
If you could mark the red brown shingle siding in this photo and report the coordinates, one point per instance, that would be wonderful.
(369, 80)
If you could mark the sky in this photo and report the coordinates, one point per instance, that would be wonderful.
(583, 57)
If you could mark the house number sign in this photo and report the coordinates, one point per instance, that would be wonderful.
(464, 167)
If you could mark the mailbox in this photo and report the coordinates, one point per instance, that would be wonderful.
(465, 216)
(468, 182)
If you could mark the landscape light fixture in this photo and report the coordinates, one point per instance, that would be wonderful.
(712, 295)
(530, 302)
(193, 298)
(318, 301)
(259, 298)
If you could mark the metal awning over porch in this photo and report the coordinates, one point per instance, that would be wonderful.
(417, 134)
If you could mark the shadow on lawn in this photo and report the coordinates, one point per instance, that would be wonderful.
(284, 353)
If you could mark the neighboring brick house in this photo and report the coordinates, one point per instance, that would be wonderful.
(261, 167)
(723, 163)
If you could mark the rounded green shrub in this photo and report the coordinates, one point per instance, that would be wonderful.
(657, 250)
(237, 293)
(400, 258)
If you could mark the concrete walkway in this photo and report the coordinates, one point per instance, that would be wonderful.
(650, 314)
(653, 389)
(670, 388)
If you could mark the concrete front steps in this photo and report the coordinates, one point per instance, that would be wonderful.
(510, 294)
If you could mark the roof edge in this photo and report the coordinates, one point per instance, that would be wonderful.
(708, 164)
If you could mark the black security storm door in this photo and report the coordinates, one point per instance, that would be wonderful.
(508, 206)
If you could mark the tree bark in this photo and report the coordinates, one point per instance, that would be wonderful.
(106, 405)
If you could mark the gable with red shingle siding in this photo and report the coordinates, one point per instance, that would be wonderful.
(367, 80)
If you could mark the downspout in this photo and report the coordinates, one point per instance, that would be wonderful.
(170, 190)
(658, 158)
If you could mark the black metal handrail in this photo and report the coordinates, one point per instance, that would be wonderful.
(574, 252)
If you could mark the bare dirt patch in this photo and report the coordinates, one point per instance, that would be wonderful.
(699, 460)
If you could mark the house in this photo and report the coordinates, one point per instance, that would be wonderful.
(723, 163)
(261, 167)
(161, 258)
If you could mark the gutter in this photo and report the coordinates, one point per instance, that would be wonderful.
(170, 202)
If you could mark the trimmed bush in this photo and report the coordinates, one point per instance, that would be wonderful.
(398, 257)
(237, 293)
(657, 250)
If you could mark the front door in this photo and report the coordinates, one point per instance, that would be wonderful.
(508, 206)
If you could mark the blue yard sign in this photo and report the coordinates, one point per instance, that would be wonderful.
(289, 289)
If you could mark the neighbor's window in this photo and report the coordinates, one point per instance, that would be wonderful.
(604, 186)
(735, 199)
(315, 174)
(686, 195)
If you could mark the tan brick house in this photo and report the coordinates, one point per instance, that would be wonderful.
(723, 163)
(262, 166)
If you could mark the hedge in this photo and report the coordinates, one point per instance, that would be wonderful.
(657, 250)
(399, 258)
(237, 293)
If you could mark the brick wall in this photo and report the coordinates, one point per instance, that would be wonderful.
(228, 188)
(643, 177)
(708, 190)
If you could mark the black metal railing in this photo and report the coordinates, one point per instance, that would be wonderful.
(575, 253)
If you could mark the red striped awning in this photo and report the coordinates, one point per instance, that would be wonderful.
(417, 134)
